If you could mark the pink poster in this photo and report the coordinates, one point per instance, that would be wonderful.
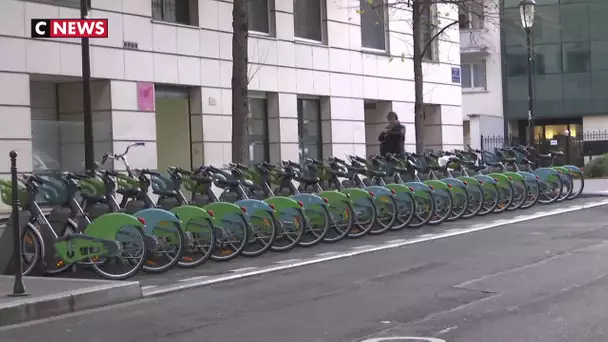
(145, 96)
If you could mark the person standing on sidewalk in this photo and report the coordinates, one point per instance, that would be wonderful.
(392, 138)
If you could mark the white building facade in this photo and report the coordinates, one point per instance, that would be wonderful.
(321, 83)
(481, 70)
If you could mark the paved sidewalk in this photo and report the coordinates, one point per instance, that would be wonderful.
(595, 187)
(56, 296)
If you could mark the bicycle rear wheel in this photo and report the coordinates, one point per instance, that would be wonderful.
(200, 243)
(577, 190)
(386, 207)
(460, 203)
(424, 209)
(520, 194)
(533, 193)
(131, 256)
(505, 198)
(406, 210)
(165, 248)
(490, 199)
(291, 227)
(317, 224)
(476, 200)
(367, 217)
(550, 190)
(342, 221)
(443, 206)
(567, 187)
(231, 237)
(262, 229)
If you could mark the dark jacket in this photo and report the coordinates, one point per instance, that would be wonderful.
(393, 141)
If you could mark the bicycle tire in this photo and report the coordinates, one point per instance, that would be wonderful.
(317, 238)
(506, 205)
(419, 221)
(474, 211)
(341, 234)
(176, 258)
(443, 218)
(568, 183)
(362, 230)
(528, 204)
(236, 251)
(384, 226)
(136, 267)
(404, 220)
(488, 209)
(455, 216)
(190, 258)
(265, 244)
(577, 193)
(293, 241)
(517, 203)
(548, 200)
(31, 232)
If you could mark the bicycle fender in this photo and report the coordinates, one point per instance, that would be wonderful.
(486, 179)
(528, 176)
(562, 170)
(309, 200)
(106, 226)
(420, 189)
(356, 194)
(379, 190)
(546, 173)
(575, 171)
(399, 188)
(502, 180)
(514, 176)
(469, 181)
(334, 196)
(192, 214)
(156, 218)
(436, 185)
(454, 182)
(251, 206)
(221, 210)
(283, 202)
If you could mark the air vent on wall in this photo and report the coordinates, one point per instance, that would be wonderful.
(130, 45)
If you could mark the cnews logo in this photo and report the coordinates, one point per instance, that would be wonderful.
(69, 28)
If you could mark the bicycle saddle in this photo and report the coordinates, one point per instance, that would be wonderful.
(228, 183)
(130, 192)
(356, 169)
(508, 160)
(374, 173)
(544, 156)
(308, 180)
(454, 159)
(93, 198)
(399, 169)
(526, 161)
(494, 164)
(557, 153)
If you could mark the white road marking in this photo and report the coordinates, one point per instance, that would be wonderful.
(336, 256)
(401, 240)
(147, 287)
(326, 254)
(288, 261)
(363, 247)
(404, 339)
(244, 269)
(193, 279)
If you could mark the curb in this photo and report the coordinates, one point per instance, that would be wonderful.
(29, 309)
(594, 194)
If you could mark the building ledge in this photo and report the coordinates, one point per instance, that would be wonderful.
(477, 50)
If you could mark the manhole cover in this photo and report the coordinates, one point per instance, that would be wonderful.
(404, 339)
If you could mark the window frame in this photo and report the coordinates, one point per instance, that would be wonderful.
(432, 23)
(323, 22)
(266, 129)
(386, 30)
(300, 118)
(465, 10)
(193, 19)
(271, 10)
(471, 66)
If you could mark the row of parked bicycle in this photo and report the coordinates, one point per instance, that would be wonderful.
(152, 222)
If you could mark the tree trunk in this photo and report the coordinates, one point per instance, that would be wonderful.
(239, 80)
(418, 75)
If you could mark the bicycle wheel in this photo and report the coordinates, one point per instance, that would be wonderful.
(550, 190)
(490, 199)
(292, 229)
(342, 221)
(262, 229)
(577, 177)
(31, 249)
(567, 187)
(367, 217)
(505, 198)
(443, 206)
(165, 247)
(476, 200)
(460, 203)
(520, 195)
(406, 209)
(131, 255)
(533, 193)
(200, 243)
(231, 237)
(386, 207)
(317, 223)
(424, 206)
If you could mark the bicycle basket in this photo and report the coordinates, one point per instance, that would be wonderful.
(124, 181)
(6, 193)
(92, 187)
(161, 183)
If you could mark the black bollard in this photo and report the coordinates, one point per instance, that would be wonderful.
(18, 287)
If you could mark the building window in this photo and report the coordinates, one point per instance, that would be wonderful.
(428, 27)
(309, 128)
(373, 24)
(257, 131)
(470, 15)
(259, 16)
(176, 11)
(474, 76)
(308, 19)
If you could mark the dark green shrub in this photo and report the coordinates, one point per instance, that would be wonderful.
(597, 167)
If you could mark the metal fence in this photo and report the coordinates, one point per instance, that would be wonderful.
(575, 147)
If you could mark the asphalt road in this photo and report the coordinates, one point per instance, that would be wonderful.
(538, 280)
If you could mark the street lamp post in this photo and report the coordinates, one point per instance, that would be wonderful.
(526, 10)
(89, 154)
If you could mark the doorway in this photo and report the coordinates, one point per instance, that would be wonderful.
(173, 140)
